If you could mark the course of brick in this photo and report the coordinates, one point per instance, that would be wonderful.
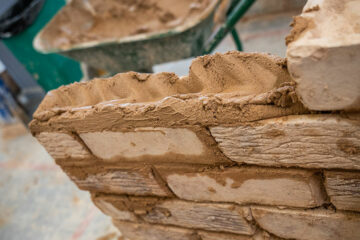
(206, 166)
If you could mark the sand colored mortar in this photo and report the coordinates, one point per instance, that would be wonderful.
(220, 88)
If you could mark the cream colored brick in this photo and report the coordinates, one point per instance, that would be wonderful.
(245, 185)
(115, 212)
(132, 181)
(343, 189)
(324, 56)
(202, 216)
(155, 145)
(143, 231)
(308, 224)
(222, 236)
(308, 141)
(143, 142)
(211, 217)
(259, 235)
(62, 145)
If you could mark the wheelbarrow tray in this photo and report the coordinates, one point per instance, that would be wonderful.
(140, 52)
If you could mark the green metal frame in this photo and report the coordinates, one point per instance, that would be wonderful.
(236, 11)
(50, 70)
(236, 39)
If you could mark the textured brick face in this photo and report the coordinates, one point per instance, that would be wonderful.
(143, 142)
(212, 217)
(143, 231)
(319, 141)
(136, 181)
(308, 225)
(109, 209)
(282, 187)
(62, 145)
(343, 189)
(206, 216)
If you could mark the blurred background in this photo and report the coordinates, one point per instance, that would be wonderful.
(37, 200)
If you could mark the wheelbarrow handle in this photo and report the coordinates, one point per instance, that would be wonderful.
(237, 9)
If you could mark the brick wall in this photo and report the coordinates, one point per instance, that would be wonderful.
(297, 172)
(268, 171)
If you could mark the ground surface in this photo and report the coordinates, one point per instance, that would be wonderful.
(38, 201)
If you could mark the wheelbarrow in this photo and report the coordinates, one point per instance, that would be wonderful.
(140, 52)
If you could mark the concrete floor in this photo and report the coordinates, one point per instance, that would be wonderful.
(38, 201)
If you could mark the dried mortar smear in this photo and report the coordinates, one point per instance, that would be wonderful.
(233, 74)
(84, 21)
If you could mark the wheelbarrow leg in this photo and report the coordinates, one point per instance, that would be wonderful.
(236, 39)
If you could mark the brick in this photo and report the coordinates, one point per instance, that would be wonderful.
(118, 212)
(143, 142)
(143, 231)
(138, 181)
(212, 217)
(308, 224)
(223, 236)
(62, 145)
(245, 185)
(324, 65)
(308, 141)
(259, 235)
(155, 145)
(343, 189)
